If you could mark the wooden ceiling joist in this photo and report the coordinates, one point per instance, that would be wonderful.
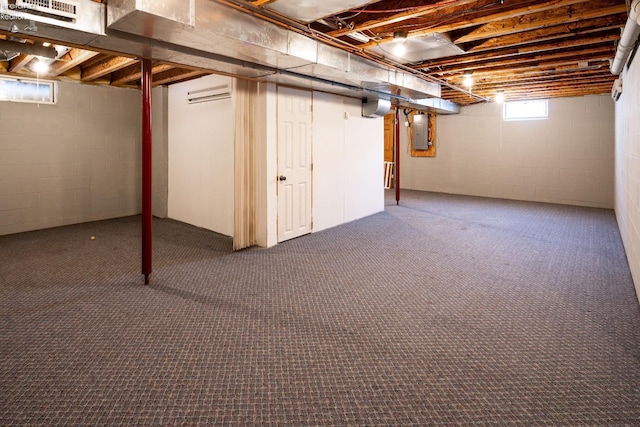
(134, 72)
(539, 60)
(551, 18)
(555, 32)
(105, 67)
(176, 75)
(482, 20)
(518, 78)
(444, 5)
(261, 2)
(75, 57)
(560, 83)
(19, 62)
(520, 51)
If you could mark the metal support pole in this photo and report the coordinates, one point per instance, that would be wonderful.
(397, 157)
(147, 218)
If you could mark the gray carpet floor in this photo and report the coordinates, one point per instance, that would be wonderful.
(445, 310)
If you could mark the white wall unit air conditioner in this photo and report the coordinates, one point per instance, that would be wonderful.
(616, 90)
(208, 94)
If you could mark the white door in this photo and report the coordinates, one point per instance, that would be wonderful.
(294, 163)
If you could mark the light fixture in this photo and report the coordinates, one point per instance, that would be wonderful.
(40, 67)
(467, 79)
(399, 36)
(356, 35)
(500, 97)
(399, 49)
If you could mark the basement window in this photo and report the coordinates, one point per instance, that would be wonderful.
(28, 90)
(526, 110)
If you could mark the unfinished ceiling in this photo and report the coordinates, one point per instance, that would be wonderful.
(524, 49)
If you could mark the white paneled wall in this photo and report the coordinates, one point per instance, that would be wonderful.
(363, 162)
(159, 124)
(566, 159)
(347, 161)
(72, 162)
(328, 161)
(201, 157)
(627, 170)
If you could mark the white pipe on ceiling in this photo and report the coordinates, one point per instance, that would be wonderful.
(628, 38)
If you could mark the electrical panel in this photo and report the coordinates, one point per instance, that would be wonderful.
(421, 134)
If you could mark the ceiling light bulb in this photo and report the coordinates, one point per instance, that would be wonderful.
(40, 67)
(468, 80)
(399, 49)
(500, 97)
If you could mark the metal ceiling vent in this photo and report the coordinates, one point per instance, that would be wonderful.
(208, 94)
(65, 10)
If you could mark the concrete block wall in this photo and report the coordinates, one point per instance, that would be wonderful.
(567, 158)
(72, 162)
(627, 167)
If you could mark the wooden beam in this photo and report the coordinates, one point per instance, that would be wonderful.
(19, 62)
(420, 11)
(517, 25)
(444, 28)
(71, 59)
(105, 67)
(134, 72)
(175, 75)
(566, 81)
(493, 55)
(537, 77)
(572, 29)
(261, 2)
(524, 71)
(537, 93)
(539, 60)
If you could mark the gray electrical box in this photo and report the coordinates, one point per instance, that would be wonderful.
(421, 132)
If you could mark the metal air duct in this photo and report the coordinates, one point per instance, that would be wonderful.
(374, 106)
(29, 49)
(257, 48)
